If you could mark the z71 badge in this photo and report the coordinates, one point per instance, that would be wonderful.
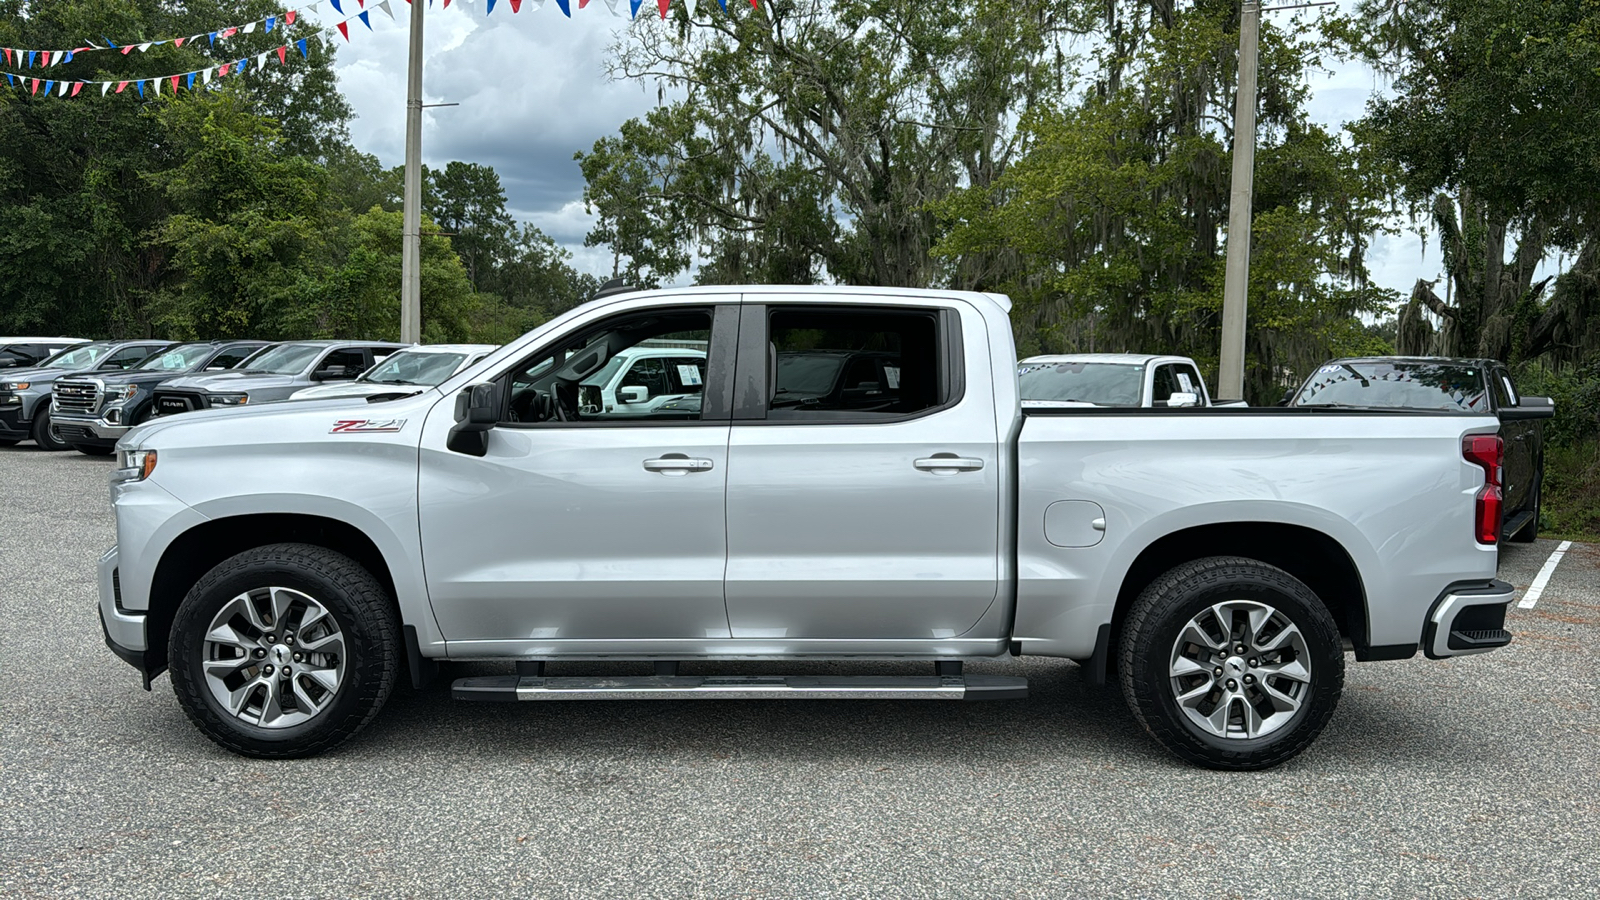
(366, 426)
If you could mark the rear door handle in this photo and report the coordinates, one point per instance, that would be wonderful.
(948, 464)
(677, 464)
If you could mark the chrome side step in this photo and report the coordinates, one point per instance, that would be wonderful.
(742, 687)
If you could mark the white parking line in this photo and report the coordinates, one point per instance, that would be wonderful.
(1543, 578)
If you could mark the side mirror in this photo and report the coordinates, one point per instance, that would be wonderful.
(633, 394)
(1287, 396)
(1530, 408)
(477, 411)
(1183, 399)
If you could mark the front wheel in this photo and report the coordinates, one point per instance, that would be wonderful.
(44, 432)
(1231, 663)
(284, 651)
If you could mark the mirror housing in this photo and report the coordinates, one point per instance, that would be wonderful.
(633, 393)
(1183, 400)
(477, 411)
(1530, 408)
(331, 373)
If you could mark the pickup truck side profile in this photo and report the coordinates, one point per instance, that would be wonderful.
(287, 564)
(273, 374)
(25, 394)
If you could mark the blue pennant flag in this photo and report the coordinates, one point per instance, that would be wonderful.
(31, 55)
(364, 20)
(47, 86)
(108, 42)
(336, 7)
(271, 21)
(301, 45)
(213, 37)
(724, 5)
(11, 79)
(190, 85)
(239, 66)
(633, 7)
(69, 57)
(565, 10)
(140, 86)
(491, 7)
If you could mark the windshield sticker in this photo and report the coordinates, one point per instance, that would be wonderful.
(1183, 380)
(689, 375)
(367, 426)
(892, 375)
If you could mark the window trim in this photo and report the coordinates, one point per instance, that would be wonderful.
(751, 368)
(715, 403)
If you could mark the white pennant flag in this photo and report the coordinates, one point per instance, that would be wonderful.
(55, 60)
(386, 11)
(205, 77)
(537, 4)
(261, 60)
(63, 91)
(613, 5)
(312, 8)
(145, 46)
(104, 86)
(250, 29)
(690, 4)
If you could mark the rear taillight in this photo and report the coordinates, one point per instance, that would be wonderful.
(1486, 451)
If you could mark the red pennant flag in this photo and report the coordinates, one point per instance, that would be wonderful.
(446, 3)
(121, 85)
(516, 6)
(174, 82)
(582, 3)
(126, 49)
(362, 3)
(8, 55)
(344, 30)
(177, 42)
(281, 51)
(222, 70)
(76, 87)
(233, 31)
(289, 17)
(663, 4)
(35, 86)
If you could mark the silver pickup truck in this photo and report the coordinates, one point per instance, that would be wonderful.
(289, 564)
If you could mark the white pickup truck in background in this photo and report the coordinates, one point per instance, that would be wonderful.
(1111, 379)
(288, 563)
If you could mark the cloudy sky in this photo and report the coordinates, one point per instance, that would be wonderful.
(533, 91)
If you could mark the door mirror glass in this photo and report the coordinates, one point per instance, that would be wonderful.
(633, 394)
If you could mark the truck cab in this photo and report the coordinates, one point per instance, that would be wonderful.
(1111, 380)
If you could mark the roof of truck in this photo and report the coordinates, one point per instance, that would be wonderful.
(1140, 359)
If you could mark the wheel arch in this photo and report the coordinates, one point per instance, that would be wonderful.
(1315, 558)
(196, 551)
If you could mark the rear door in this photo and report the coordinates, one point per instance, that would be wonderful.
(862, 521)
(1520, 436)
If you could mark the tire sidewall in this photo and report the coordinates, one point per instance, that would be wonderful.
(44, 434)
(362, 659)
(1153, 680)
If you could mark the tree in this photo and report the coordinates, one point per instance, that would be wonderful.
(1495, 130)
(1114, 212)
(468, 203)
(811, 136)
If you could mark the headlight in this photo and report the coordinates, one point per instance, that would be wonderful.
(16, 386)
(229, 399)
(134, 465)
(129, 392)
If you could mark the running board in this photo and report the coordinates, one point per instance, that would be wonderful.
(743, 687)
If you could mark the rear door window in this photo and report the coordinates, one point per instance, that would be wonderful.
(872, 362)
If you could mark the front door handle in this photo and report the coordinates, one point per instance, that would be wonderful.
(948, 464)
(677, 464)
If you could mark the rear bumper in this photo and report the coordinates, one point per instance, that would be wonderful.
(1468, 618)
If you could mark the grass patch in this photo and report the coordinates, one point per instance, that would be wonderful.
(1571, 503)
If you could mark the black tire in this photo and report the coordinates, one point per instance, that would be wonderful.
(358, 605)
(1149, 644)
(93, 449)
(44, 435)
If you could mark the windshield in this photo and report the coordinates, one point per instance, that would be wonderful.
(809, 374)
(412, 367)
(1396, 385)
(186, 356)
(1103, 384)
(76, 358)
(285, 359)
(600, 378)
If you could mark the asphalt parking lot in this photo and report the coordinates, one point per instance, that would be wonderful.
(1477, 777)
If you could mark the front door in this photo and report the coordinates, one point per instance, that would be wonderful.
(577, 524)
(864, 483)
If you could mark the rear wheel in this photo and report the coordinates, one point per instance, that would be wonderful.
(284, 651)
(44, 432)
(1231, 663)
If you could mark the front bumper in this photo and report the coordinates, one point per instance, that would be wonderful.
(88, 430)
(12, 422)
(1468, 618)
(125, 631)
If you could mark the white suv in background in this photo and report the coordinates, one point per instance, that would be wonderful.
(1111, 379)
(405, 371)
(642, 380)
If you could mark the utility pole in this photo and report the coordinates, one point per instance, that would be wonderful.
(1236, 283)
(411, 227)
